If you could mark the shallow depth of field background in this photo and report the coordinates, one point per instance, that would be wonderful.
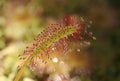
(22, 20)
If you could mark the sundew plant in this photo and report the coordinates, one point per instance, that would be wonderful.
(55, 37)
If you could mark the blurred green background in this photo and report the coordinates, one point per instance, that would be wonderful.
(22, 20)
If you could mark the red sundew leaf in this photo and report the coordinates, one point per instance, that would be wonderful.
(55, 36)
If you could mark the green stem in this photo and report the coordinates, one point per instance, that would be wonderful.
(19, 73)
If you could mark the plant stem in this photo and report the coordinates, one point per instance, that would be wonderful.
(19, 73)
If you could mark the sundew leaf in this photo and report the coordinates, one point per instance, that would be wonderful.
(51, 37)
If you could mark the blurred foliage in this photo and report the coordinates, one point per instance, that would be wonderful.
(22, 20)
